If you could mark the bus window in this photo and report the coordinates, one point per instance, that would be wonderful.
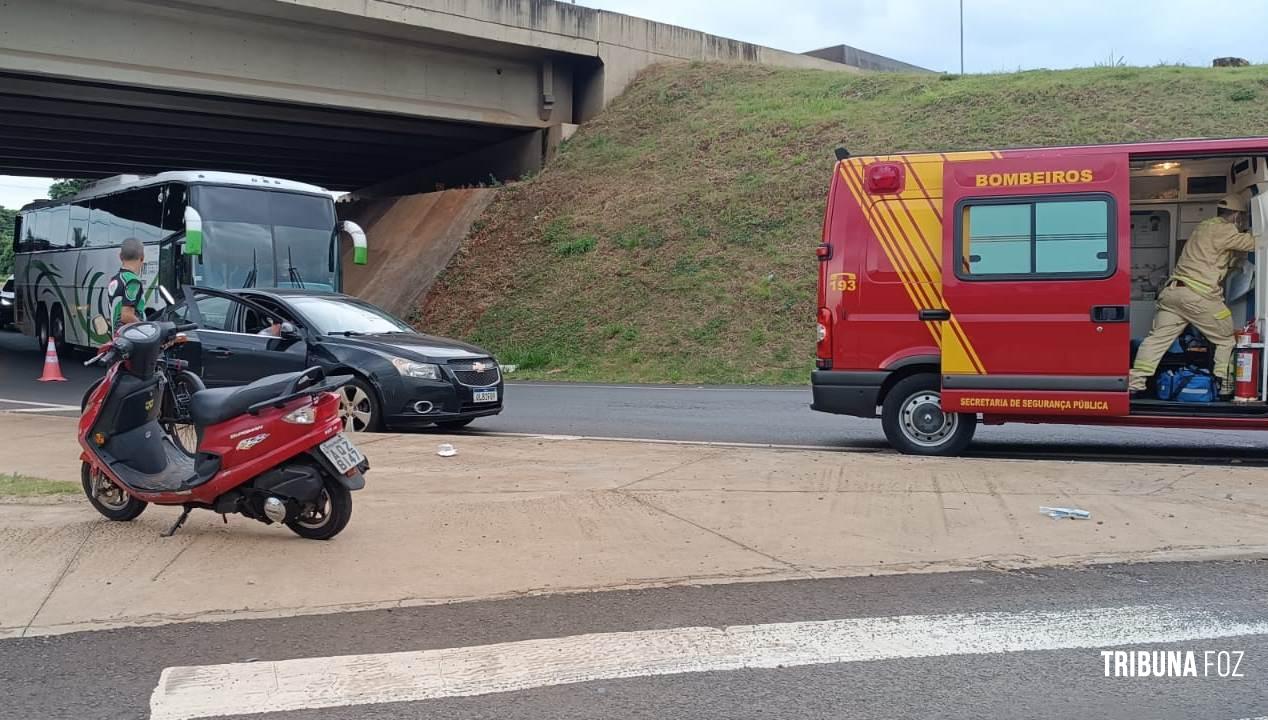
(142, 210)
(174, 201)
(99, 222)
(79, 214)
(120, 224)
(37, 231)
(59, 227)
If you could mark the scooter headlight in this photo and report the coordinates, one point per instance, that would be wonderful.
(306, 415)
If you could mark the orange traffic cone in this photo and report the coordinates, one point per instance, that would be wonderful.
(52, 368)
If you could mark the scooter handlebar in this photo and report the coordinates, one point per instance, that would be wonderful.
(104, 359)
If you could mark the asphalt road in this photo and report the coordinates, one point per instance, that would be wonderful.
(779, 416)
(111, 674)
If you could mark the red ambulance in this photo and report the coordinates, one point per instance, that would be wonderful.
(1013, 286)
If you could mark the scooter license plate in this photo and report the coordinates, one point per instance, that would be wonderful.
(340, 451)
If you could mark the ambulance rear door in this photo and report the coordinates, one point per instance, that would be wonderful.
(1037, 285)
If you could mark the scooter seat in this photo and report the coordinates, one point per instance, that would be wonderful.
(209, 407)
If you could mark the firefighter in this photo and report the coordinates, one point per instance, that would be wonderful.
(126, 290)
(1194, 295)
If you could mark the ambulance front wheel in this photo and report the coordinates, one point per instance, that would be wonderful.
(915, 423)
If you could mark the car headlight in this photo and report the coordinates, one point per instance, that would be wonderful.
(409, 368)
(6, 302)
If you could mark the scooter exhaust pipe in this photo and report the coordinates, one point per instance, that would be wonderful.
(422, 407)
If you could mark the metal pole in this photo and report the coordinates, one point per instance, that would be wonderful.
(961, 37)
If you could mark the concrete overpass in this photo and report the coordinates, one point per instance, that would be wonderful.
(343, 93)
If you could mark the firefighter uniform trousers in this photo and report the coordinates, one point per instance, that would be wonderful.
(1179, 306)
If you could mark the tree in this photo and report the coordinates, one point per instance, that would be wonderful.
(65, 188)
(6, 241)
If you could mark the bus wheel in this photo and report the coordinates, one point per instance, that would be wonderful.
(41, 326)
(57, 330)
(915, 424)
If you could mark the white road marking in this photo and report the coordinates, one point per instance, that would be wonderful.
(184, 693)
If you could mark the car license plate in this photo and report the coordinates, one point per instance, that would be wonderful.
(340, 451)
(484, 395)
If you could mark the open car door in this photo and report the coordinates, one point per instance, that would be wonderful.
(232, 350)
(1036, 279)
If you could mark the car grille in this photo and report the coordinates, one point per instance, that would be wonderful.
(468, 375)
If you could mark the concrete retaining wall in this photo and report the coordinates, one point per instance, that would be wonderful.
(411, 240)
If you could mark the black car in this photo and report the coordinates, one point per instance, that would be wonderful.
(402, 378)
(6, 303)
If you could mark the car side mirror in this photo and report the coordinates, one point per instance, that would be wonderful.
(289, 331)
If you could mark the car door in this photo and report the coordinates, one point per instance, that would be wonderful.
(1038, 257)
(232, 351)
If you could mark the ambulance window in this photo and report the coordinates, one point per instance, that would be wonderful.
(1056, 238)
(997, 239)
(1072, 237)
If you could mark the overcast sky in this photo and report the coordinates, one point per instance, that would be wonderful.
(999, 35)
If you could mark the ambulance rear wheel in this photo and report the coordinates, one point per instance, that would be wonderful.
(915, 424)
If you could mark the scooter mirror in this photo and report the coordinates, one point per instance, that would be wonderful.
(100, 325)
(166, 295)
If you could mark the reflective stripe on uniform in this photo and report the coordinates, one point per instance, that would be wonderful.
(1223, 314)
(1195, 284)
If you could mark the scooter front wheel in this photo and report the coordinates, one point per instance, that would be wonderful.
(109, 499)
(328, 516)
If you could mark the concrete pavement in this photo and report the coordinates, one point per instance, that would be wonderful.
(521, 516)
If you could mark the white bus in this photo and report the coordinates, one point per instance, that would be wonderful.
(212, 229)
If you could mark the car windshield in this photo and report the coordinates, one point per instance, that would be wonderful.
(262, 238)
(333, 316)
(8, 285)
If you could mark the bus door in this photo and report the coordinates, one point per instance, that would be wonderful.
(1037, 262)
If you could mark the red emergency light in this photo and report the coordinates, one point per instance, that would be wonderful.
(884, 178)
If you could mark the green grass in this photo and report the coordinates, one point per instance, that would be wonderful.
(672, 240)
(13, 485)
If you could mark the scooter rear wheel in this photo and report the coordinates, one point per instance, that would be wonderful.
(108, 498)
(329, 516)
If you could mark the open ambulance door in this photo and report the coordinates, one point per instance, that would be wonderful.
(1036, 278)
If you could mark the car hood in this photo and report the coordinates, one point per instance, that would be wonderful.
(424, 347)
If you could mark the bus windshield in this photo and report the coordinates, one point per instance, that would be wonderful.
(265, 238)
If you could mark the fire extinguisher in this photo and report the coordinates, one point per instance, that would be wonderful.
(1247, 364)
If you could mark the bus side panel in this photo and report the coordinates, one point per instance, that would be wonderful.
(97, 267)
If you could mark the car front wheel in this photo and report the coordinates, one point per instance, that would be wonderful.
(359, 407)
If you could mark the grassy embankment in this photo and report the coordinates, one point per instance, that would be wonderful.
(12, 485)
(672, 240)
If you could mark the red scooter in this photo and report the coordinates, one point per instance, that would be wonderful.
(273, 450)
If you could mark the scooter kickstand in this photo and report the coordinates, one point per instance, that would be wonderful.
(179, 521)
